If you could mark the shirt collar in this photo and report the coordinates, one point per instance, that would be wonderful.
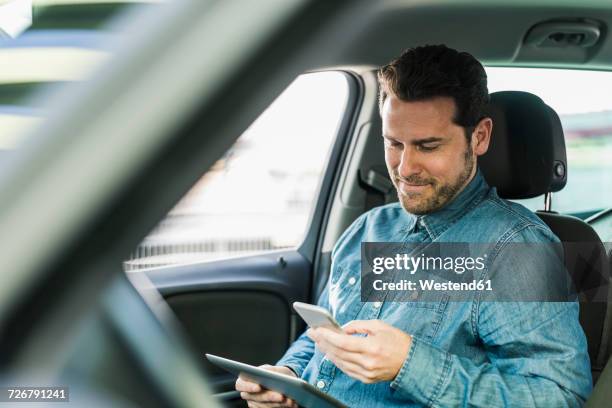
(437, 222)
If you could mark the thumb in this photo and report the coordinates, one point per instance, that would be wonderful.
(360, 327)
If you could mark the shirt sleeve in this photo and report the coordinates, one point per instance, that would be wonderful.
(531, 368)
(298, 355)
(537, 350)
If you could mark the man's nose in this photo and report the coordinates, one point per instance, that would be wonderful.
(410, 163)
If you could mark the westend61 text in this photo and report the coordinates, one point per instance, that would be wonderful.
(430, 284)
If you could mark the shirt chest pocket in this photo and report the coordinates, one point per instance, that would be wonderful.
(422, 319)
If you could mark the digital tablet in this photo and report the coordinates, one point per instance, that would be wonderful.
(297, 389)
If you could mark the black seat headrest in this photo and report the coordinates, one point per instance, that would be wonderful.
(526, 156)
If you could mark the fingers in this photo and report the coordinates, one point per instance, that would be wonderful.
(244, 385)
(265, 396)
(350, 356)
(361, 327)
(257, 396)
(287, 404)
(251, 391)
(352, 369)
(338, 340)
(361, 366)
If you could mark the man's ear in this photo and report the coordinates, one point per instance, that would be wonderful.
(481, 136)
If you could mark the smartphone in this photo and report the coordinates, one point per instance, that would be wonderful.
(316, 316)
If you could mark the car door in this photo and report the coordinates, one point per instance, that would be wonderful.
(274, 279)
(241, 246)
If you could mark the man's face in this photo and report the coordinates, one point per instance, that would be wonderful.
(427, 155)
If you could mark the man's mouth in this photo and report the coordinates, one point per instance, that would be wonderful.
(411, 188)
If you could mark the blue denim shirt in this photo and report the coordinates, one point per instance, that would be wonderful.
(467, 353)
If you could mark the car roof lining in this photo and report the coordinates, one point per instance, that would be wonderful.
(493, 31)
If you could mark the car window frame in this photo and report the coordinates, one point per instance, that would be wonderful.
(310, 246)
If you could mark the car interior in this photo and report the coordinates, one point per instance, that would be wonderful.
(119, 158)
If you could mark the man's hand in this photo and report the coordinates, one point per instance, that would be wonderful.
(377, 357)
(257, 396)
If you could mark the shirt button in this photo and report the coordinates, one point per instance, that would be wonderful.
(320, 384)
(377, 305)
(352, 280)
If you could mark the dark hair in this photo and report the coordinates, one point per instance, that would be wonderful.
(430, 71)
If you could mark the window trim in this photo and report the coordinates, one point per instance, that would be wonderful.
(310, 247)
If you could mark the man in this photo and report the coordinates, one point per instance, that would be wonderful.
(470, 353)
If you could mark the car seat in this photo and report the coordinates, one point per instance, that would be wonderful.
(527, 158)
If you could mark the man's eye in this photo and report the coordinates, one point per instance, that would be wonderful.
(392, 143)
(428, 147)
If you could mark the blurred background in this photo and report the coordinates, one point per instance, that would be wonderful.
(259, 196)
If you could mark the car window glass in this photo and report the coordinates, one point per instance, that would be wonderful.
(45, 45)
(585, 108)
(259, 196)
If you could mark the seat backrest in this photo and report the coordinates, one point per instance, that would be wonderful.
(585, 256)
(527, 158)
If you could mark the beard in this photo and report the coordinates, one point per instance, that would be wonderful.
(443, 193)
